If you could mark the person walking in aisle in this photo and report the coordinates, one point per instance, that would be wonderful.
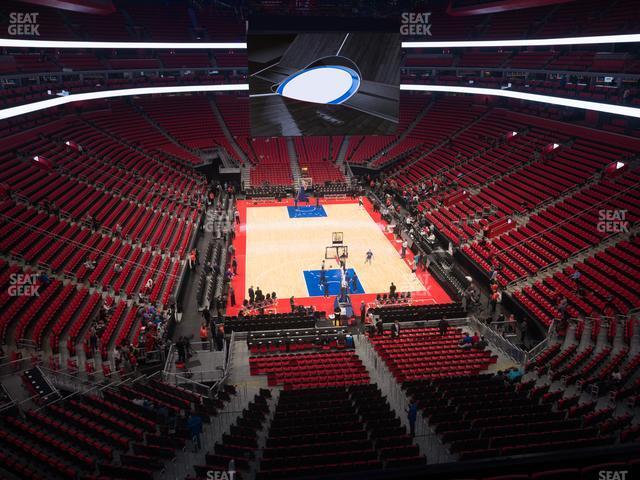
(412, 415)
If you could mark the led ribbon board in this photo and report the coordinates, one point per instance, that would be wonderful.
(565, 102)
(533, 97)
(529, 42)
(79, 97)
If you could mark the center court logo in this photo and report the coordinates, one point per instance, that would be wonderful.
(21, 23)
(23, 285)
(415, 24)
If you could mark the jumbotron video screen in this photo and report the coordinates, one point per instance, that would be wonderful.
(316, 82)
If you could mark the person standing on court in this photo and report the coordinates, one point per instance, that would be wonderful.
(232, 296)
(234, 266)
(392, 290)
(363, 312)
(293, 304)
(369, 257)
(404, 248)
(252, 295)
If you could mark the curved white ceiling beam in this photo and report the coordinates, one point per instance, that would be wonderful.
(14, 42)
(532, 97)
(80, 97)
(529, 42)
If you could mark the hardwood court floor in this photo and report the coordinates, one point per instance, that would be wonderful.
(273, 251)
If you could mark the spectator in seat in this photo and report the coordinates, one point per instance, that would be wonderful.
(466, 342)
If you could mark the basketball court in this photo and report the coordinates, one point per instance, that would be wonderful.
(280, 248)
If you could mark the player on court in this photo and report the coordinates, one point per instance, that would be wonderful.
(369, 257)
(360, 202)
